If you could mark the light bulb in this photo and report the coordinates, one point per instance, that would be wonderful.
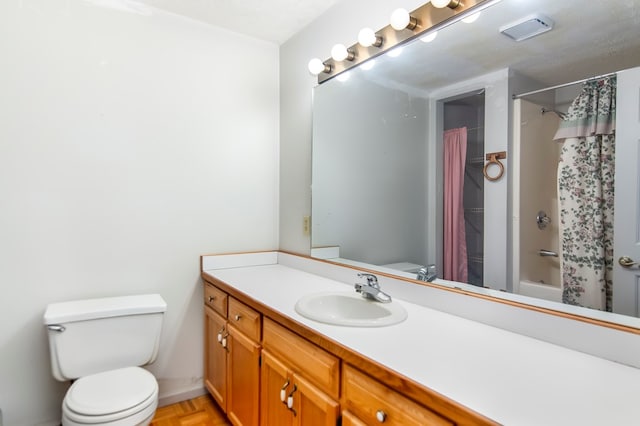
(366, 37)
(429, 37)
(400, 19)
(451, 4)
(471, 18)
(316, 66)
(339, 52)
(440, 3)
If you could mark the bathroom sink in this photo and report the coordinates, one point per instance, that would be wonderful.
(349, 309)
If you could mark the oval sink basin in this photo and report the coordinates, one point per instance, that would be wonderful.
(349, 309)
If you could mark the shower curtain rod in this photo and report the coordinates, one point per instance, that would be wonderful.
(521, 95)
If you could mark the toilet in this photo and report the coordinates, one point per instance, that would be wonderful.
(100, 344)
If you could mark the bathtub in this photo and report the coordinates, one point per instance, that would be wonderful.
(540, 291)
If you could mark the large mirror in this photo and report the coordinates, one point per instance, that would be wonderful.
(381, 191)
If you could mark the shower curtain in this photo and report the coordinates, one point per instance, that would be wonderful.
(455, 242)
(586, 194)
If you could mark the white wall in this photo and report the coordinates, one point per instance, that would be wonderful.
(538, 171)
(130, 144)
(338, 25)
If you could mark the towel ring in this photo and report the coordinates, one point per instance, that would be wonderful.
(494, 158)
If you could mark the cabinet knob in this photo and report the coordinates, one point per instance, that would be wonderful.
(381, 416)
(237, 317)
(211, 298)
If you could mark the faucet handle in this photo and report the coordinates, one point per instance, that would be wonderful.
(372, 280)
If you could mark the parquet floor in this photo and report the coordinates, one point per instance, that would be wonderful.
(200, 411)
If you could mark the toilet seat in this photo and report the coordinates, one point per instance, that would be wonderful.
(129, 394)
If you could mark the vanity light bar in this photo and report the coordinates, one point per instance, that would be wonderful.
(423, 19)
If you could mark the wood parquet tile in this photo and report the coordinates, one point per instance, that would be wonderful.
(200, 411)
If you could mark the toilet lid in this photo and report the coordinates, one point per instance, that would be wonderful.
(123, 391)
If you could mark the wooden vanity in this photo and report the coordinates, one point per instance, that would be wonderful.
(265, 364)
(263, 368)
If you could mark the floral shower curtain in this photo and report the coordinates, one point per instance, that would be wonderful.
(586, 194)
(455, 241)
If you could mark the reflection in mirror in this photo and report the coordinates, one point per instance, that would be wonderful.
(400, 147)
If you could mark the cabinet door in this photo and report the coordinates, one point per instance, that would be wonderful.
(312, 406)
(277, 381)
(243, 378)
(215, 357)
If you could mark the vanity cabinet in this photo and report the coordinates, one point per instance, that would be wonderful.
(300, 381)
(232, 356)
(262, 372)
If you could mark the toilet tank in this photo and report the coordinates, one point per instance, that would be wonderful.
(95, 335)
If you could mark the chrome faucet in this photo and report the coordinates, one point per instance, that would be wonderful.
(371, 290)
(427, 273)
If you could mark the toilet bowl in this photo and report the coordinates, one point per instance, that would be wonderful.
(100, 345)
(127, 397)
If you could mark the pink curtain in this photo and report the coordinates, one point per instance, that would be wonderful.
(455, 243)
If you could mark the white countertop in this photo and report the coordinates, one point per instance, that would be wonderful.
(510, 378)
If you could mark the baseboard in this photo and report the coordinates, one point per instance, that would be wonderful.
(180, 396)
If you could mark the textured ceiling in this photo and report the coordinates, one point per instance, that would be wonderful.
(587, 39)
(271, 20)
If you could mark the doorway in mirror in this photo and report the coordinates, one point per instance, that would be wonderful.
(463, 237)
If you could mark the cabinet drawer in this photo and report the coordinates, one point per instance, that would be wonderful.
(216, 299)
(245, 319)
(315, 364)
(373, 403)
(349, 419)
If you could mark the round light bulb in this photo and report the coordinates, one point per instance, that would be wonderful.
(316, 66)
(339, 52)
(429, 37)
(440, 3)
(471, 18)
(400, 19)
(366, 37)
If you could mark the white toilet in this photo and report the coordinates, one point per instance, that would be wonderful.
(100, 344)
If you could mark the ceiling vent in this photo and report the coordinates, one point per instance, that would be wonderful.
(528, 27)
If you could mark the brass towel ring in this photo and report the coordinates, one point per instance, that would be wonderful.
(494, 158)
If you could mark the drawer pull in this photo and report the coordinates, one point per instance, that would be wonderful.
(237, 317)
(381, 416)
(211, 298)
(283, 392)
